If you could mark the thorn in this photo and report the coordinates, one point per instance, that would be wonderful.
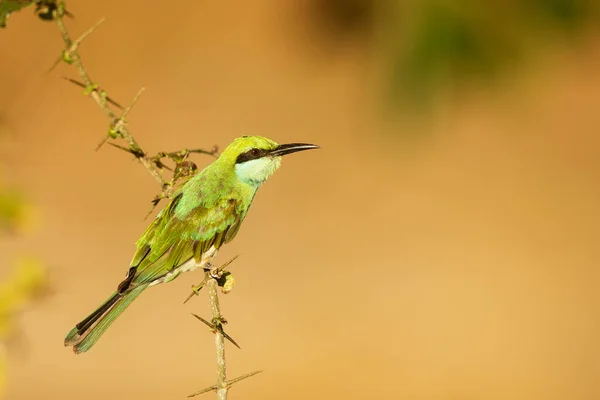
(137, 153)
(81, 84)
(195, 290)
(114, 103)
(55, 64)
(146, 217)
(208, 389)
(228, 383)
(211, 326)
(155, 202)
(125, 149)
(218, 327)
(66, 55)
(233, 342)
(229, 262)
(73, 81)
(160, 165)
(85, 34)
(118, 123)
(102, 142)
(135, 99)
(242, 377)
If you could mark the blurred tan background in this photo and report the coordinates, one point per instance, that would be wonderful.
(452, 255)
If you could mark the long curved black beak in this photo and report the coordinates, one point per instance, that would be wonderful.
(289, 148)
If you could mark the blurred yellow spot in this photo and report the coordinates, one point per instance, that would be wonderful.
(28, 221)
(16, 216)
(27, 280)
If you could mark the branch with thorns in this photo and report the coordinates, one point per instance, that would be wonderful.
(215, 278)
(181, 172)
(118, 128)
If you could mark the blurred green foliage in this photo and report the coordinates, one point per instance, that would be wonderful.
(565, 13)
(430, 46)
(9, 6)
(436, 44)
(27, 280)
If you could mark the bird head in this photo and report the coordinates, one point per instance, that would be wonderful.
(256, 158)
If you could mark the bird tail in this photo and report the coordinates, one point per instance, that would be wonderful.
(86, 333)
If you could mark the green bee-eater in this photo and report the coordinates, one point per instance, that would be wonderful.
(205, 213)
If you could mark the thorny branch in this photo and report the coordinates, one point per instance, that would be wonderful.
(216, 277)
(183, 170)
(223, 385)
(118, 127)
(213, 286)
(218, 327)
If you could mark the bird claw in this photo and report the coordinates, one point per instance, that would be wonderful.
(224, 278)
(213, 271)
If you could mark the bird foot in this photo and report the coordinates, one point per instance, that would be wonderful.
(213, 271)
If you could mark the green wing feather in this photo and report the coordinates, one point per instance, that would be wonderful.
(172, 239)
(90, 337)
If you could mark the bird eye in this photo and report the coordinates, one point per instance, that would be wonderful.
(251, 154)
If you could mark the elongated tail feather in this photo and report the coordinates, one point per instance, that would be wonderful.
(86, 333)
(100, 311)
(78, 331)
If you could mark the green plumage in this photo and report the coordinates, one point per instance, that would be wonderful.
(205, 213)
(83, 343)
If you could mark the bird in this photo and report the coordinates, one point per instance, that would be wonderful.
(203, 214)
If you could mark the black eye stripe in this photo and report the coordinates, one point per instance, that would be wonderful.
(251, 154)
